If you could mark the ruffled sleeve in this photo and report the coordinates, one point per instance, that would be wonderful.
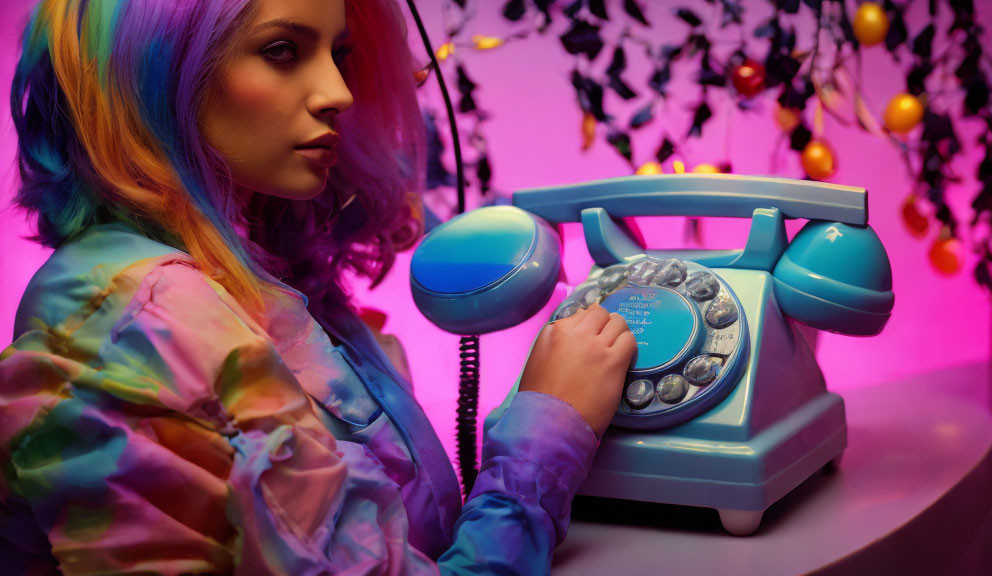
(149, 425)
(533, 461)
(157, 429)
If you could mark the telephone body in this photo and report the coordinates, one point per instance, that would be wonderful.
(724, 405)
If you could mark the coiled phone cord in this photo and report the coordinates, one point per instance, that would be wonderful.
(468, 410)
(468, 385)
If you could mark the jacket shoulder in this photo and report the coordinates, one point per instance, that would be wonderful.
(81, 268)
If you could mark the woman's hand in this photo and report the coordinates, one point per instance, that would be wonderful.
(582, 360)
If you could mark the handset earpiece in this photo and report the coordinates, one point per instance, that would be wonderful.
(485, 270)
(836, 277)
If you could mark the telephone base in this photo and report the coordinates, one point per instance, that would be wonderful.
(776, 428)
(732, 477)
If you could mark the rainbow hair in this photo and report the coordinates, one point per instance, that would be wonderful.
(372, 206)
(106, 101)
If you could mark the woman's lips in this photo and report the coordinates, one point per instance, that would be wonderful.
(319, 155)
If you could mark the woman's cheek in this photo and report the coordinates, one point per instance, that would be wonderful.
(255, 99)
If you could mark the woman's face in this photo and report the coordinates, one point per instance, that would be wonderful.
(273, 108)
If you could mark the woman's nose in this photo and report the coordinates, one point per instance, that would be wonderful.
(329, 90)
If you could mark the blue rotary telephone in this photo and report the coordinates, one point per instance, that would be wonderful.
(724, 405)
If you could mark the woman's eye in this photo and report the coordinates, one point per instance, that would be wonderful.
(280, 52)
(341, 53)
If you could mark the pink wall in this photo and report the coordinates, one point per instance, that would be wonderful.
(18, 259)
(938, 321)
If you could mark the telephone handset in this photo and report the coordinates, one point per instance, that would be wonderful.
(489, 269)
(718, 363)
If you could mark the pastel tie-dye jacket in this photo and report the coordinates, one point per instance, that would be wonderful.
(148, 424)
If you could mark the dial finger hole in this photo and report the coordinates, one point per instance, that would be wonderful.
(702, 370)
(639, 394)
(702, 286)
(586, 295)
(612, 279)
(643, 271)
(721, 313)
(568, 308)
(672, 389)
(671, 273)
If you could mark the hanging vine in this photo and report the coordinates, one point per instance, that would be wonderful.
(945, 63)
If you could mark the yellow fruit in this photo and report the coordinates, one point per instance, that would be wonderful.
(903, 113)
(678, 166)
(787, 118)
(705, 169)
(446, 49)
(870, 24)
(947, 255)
(649, 169)
(486, 42)
(818, 160)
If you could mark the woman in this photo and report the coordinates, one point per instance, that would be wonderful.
(188, 390)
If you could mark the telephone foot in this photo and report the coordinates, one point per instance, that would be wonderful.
(740, 522)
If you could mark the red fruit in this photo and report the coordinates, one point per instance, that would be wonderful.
(748, 78)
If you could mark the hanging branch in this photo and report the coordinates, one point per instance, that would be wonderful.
(947, 75)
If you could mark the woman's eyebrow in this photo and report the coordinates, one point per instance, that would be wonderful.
(312, 33)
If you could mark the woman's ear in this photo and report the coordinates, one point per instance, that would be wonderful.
(413, 227)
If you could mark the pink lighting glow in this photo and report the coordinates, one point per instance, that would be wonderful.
(938, 321)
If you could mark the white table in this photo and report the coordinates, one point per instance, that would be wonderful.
(913, 495)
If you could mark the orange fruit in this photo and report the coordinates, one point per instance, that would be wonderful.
(903, 113)
(818, 160)
(588, 130)
(871, 24)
